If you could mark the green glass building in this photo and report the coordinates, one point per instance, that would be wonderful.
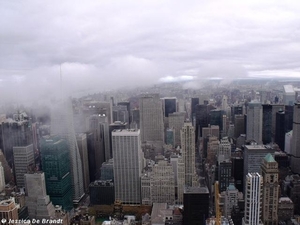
(57, 166)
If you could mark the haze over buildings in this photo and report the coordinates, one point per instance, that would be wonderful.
(185, 111)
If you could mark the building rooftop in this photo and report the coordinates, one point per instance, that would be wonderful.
(256, 147)
(122, 132)
(231, 187)
(289, 89)
(195, 190)
(285, 199)
(269, 158)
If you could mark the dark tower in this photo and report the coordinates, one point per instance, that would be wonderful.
(280, 129)
(267, 124)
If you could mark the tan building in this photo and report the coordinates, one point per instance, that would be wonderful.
(212, 150)
(8, 209)
(270, 190)
(162, 183)
(188, 152)
(212, 130)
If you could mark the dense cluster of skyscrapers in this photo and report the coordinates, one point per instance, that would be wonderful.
(226, 159)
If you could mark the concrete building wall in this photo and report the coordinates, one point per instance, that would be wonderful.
(128, 163)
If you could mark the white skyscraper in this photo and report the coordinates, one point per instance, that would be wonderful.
(253, 199)
(254, 122)
(128, 163)
(62, 125)
(188, 152)
(151, 118)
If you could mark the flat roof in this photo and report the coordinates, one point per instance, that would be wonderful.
(289, 89)
(125, 132)
(195, 190)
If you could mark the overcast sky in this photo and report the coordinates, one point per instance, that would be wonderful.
(109, 44)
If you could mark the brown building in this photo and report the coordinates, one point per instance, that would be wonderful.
(8, 209)
(270, 190)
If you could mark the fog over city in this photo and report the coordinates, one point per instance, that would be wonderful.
(102, 45)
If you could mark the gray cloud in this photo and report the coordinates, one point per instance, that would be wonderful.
(112, 44)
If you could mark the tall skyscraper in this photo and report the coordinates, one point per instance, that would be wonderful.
(224, 174)
(275, 109)
(238, 172)
(178, 168)
(82, 146)
(98, 125)
(236, 110)
(169, 105)
(188, 152)
(254, 122)
(127, 104)
(231, 199)
(267, 124)
(253, 156)
(216, 118)
(57, 168)
(224, 152)
(15, 132)
(253, 199)
(194, 102)
(128, 163)
(135, 121)
(23, 160)
(196, 205)
(280, 129)
(295, 162)
(62, 125)
(151, 118)
(176, 121)
(7, 170)
(38, 202)
(270, 190)
(202, 119)
(120, 113)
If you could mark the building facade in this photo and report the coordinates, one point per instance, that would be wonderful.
(270, 190)
(62, 125)
(254, 122)
(162, 183)
(56, 165)
(176, 121)
(295, 162)
(128, 164)
(253, 199)
(151, 118)
(23, 161)
(188, 152)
